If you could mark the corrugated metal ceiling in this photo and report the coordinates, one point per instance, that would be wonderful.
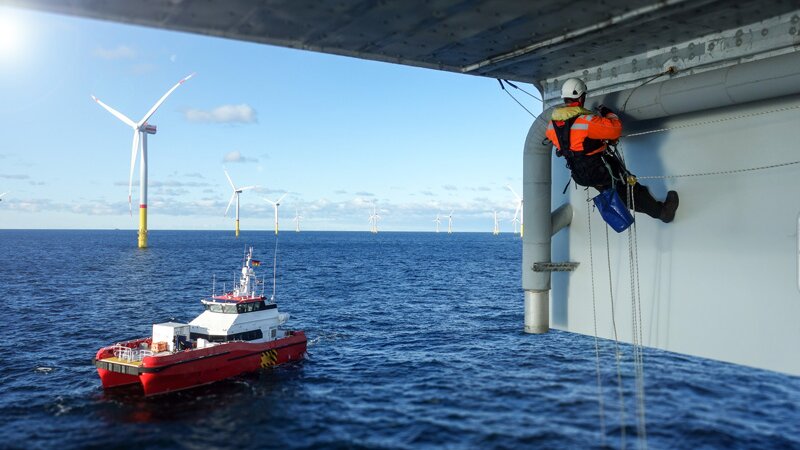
(517, 40)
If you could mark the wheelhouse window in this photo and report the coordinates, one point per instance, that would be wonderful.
(245, 336)
(237, 308)
(213, 307)
(251, 307)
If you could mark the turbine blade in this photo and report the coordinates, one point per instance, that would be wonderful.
(282, 196)
(160, 101)
(247, 188)
(229, 179)
(116, 113)
(513, 192)
(270, 201)
(229, 204)
(134, 151)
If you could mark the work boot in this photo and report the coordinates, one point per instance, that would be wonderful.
(670, 205)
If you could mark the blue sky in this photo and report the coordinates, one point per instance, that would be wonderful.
(337, 134)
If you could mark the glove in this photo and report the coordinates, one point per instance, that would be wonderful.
(603, 110)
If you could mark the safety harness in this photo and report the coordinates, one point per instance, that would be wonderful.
(588, 170)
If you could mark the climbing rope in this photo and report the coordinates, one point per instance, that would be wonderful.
(670, 70)
(617, 353)
(523, 90)
(594, 316)
(503, 87)
(636, 322)
(708, 122)
(721, 172)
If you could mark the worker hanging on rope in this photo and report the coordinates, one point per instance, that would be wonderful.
(586, 140)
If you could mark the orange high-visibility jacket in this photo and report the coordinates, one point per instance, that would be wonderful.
(587, 125)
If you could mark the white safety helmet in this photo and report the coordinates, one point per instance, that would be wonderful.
(573, 88)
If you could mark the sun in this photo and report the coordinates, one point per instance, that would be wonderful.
(10, 34)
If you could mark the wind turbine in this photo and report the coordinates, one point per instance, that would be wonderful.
(140, 131)
(496, 229)
(275, 205)
(373, 220)
(297, 218)
(518, 211)
(450, 223)
(1, 196)
(515, 221)
(437, 221)
(236, 192)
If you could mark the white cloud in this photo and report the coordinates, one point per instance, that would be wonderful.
(119, 52)
(237, 157)
(243, 113)
(143, 68)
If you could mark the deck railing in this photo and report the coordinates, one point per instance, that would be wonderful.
(130, 354)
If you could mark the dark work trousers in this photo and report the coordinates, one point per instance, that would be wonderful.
(594, 171)
(642, 202)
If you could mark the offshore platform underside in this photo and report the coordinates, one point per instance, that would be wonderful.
(708, 91)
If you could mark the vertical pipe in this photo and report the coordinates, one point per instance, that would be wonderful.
(536, 183)
(143, 194)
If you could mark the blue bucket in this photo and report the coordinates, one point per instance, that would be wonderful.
(613, 210)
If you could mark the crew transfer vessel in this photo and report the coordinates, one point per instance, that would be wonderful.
(238, 332)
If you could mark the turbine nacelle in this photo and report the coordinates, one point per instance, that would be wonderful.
(147, 128)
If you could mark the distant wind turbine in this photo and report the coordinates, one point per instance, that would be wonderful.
(275, 205)
(450, 223)
(1, 196)
(140, 131)
(437, 221)
(515, 220)
(236, 192)
(496, 229)
(518, 211)
(297, 218)
(373, 220)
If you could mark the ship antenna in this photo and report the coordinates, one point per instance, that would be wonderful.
(213, 285)
(274, 269)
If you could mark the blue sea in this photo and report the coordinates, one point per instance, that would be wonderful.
(415, 341)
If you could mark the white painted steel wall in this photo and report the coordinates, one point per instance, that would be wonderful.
(722, 280)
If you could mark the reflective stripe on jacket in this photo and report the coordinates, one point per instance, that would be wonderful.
(587, 126)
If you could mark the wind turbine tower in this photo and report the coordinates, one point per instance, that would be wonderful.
(297, 218)
(496, 229)
(373, 220)
(140, 131)
(437, 221)
(518, 211)
(275, 205)
(450, 223)
(236, 192)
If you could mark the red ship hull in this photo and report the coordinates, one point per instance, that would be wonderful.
(195, 367)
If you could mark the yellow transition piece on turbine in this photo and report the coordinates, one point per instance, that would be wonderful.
(142, 226)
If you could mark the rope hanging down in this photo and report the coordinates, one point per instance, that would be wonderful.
(636, 325)
(594, 316)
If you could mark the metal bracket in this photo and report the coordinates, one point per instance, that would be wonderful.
(554, 266)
